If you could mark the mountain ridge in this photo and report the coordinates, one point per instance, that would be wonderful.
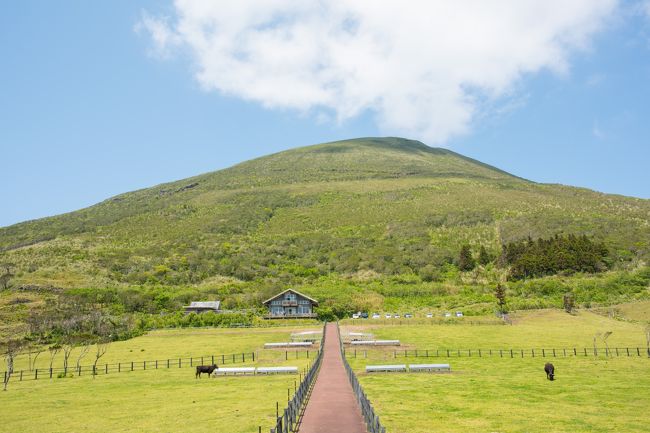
(389, 205)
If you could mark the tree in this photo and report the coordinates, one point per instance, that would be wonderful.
(569, 302)
(54, 349)
(67, 350)
(102, 347)
(465, 260)
(6, 274)
(500, 294)
(11, 349)
(483, 256)
(83, 351)
(34, 350)
(603, 336)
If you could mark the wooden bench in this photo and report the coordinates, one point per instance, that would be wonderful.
(385, 368)
(289, 344)
(224, 371)
(429, 367)
(375, 343)
(277, 370)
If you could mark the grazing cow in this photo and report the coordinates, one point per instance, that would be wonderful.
(205, 369)
(550, 371)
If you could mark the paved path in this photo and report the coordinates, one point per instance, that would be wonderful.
(332, 407)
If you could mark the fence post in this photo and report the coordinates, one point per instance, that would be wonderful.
(543, 353)
(131, 365)
(223, 359)
(119, 367)
(50, 372)
(106, 369)
(36, 374)
(156, 364)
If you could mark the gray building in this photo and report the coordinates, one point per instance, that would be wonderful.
(202, 307)
(290, 304)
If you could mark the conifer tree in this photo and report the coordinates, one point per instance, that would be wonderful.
(500, 294)
(465, 260)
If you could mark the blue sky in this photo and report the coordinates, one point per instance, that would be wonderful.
(94, 103)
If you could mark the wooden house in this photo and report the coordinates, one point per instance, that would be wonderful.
(290, 304)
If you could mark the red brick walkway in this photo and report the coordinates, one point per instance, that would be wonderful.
(332, 407)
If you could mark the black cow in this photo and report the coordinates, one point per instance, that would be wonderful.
(550, 371)
(205, 369)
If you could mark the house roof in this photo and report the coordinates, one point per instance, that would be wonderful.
(290, 290)
(205, 304)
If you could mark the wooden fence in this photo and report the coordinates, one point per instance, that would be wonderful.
(123, 367)
(423, 321)
(510, 353)
(286, 422)
(373, 424)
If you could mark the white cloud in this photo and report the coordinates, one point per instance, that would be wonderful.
(425, 68)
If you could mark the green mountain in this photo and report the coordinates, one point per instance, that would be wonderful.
(370, 209)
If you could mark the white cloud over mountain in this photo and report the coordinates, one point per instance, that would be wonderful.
(424, 68)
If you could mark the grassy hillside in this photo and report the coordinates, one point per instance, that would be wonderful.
(332, 215)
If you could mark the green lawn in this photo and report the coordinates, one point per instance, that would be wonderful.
(144, 401)
(157, 400)
(175, 343)
(512, 395)
(539, 328)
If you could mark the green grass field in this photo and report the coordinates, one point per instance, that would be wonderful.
(164, 400)
(538, 328)
(512, 395)
(183, 343)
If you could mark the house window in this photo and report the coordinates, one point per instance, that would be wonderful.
(290, 296)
